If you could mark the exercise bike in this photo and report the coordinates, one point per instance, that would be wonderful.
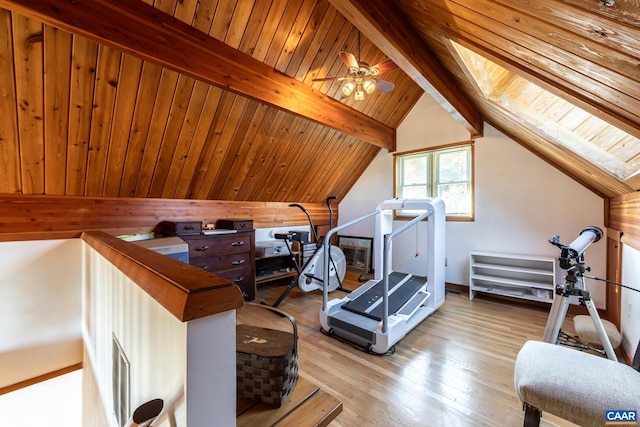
(310, 276)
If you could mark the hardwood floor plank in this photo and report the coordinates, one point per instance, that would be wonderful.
(454, 369)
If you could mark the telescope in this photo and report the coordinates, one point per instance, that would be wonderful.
(573, 253)
(572, 259)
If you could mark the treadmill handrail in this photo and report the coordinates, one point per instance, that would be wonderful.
(386, 265)
(326, 245)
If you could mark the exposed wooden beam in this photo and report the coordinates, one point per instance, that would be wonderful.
(139, 29)
(382, 23)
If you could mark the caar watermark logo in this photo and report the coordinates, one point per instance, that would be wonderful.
(621, 417)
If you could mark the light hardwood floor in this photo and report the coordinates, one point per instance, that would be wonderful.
(454, 369)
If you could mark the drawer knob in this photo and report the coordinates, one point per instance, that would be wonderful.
(239, 279)
(202, 248)
(237, 243)
(239, 262)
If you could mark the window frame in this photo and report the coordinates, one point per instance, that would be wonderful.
(433, 169)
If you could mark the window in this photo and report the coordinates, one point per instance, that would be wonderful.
(120, 383)
(445, 172)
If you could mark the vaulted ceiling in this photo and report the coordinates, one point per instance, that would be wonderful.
(585, 52)
(213, 99)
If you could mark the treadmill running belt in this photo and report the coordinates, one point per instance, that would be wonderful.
(396, 300)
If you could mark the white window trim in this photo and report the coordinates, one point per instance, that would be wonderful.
(433, 171)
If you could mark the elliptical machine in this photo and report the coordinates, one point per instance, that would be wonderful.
(310, 276)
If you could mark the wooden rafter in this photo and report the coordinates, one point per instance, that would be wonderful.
(139, 29)
(383, 24)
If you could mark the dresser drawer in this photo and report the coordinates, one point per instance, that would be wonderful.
(227, 255)
(226, 244)
(184, 228)
(244, 280)
(220, 263)
(235, 224)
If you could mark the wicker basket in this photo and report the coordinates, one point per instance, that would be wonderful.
(266, 361)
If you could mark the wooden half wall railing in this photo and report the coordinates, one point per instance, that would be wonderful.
(61, 217)
(185, 291)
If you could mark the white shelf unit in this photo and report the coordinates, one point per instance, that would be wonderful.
(521, 276)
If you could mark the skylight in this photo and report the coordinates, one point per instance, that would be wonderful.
(604, 145)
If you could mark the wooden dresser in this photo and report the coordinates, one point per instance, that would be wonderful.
(228, 255)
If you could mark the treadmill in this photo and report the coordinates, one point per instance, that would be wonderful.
(383, 310)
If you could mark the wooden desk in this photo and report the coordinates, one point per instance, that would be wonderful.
(307, 405)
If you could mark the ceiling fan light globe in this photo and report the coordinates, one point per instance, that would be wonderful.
(347, 89)
(369, 86)
(359, 96)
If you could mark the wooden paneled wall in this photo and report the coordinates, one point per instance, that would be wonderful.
(624, 216)
(59, 217)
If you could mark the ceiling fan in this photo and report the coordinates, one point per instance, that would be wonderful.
(361, 76)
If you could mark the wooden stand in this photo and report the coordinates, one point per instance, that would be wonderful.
(306, 405)
(279, 267)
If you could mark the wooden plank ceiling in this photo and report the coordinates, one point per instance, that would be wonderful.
(86, 118)
(128, 111)
(587, 53)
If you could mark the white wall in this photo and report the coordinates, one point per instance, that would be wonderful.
(41, 306)
(520, 201)
(630, 307)
(190, 365)
(153, 340)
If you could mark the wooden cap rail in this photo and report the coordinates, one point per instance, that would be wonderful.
(185, 291)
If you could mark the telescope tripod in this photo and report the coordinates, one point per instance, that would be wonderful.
(574, 286)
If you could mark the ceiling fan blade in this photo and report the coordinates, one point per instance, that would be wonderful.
(349, 59)
(383, 67)
(384, 86)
